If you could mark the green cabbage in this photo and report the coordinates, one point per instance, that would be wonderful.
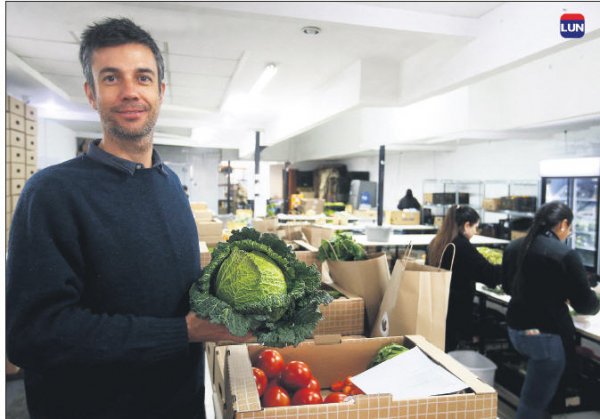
(254, 283)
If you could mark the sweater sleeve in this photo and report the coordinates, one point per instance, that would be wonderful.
(579, 293)
(47, 324)
(481, 269)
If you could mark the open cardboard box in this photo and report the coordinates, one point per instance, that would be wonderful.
(343, 316)
(335, 358)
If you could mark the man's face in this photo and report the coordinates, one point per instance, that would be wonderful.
(126, 93)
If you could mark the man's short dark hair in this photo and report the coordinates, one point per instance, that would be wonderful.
(113, 32)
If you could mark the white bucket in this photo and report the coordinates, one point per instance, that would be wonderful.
(378, 233)
(478, 364)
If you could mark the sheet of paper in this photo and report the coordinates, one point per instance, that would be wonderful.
(409, 375)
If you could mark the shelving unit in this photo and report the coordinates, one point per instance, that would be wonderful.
(502, 188)
(466, 192)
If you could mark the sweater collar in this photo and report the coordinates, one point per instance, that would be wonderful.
(128, 166)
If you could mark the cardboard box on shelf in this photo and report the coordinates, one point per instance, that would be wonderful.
(369, 214)
(428, 198)
(30, 142)
(30, 127)
(405, 217)
(31, 157)
(30, 113)
(491, 204)
(16, 170)
(29, 171)
(15, 122)
(333, 359)
(15, 106)
(15, 138)
(16, 185)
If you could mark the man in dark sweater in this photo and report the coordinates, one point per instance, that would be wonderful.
(103, 250)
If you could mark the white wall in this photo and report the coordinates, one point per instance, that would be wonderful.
(55, 143)
(493, 160)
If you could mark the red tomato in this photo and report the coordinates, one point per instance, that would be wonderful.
(314, 385)
(275, 396)
(335, 397)
(261, 380)
(271, 362)
(337, 386)
(306, 396)
(295, 375)
(274, 382)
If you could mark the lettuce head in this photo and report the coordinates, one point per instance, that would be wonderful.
(254, 283)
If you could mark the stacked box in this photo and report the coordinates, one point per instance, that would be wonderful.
(404, 217)
(20, 152)
(210, 231)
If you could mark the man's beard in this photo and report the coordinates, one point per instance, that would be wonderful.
(140, 138)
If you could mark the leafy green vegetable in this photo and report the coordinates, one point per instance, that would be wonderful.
(341, 247)
(387, 352)
(254, 283)
(494, 256)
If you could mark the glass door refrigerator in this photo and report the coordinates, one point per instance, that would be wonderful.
(575, 182)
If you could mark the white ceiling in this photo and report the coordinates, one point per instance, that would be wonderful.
(215, 51)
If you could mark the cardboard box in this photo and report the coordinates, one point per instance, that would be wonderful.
(30, 142)
(31, 157)
(405, 217)
(312, 205)
(7, 204)
(15, 122)
(197, 206)
(29, 171)
(514, 234)
(15, 106)
(343, 316)
(30, 113)
(438, 221)
(13, 203)
(16, 170)
(369, 214)
(330, 362)
(15, 155)
(205, 255)
(428, 198)
(202, 215)
(491, 204)
(314, 234)
(16, 186)
(30, 127)
(213, 228)
(15, 139)
(265, 225)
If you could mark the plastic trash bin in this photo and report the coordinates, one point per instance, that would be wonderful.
(378, 233)
(478, 364)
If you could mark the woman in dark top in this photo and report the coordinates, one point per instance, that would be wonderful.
(542, 274)
(459, 226)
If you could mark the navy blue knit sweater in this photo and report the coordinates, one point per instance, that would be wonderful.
(101, 257)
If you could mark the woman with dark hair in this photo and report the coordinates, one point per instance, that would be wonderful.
(459, 226)
(542, 275)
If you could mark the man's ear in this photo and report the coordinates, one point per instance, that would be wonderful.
(89, 92)
(163, 87)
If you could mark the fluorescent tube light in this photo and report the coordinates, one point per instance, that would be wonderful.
(264, 78)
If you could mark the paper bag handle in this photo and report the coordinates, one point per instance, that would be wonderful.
(407, 252)
(444, 252)
(333, 250)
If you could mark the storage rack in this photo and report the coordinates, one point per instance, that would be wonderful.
(502, 188)
(468, 192)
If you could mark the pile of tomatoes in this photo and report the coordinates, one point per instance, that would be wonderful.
(284, 384)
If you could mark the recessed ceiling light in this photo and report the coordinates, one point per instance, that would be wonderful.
(311, 30)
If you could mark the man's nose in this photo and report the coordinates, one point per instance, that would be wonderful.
(129, 89)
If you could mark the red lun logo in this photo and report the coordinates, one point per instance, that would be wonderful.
(572, 25)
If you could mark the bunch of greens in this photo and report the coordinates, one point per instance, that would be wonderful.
(494, 256)
(341, 247)
(387, 352)
(254, 283)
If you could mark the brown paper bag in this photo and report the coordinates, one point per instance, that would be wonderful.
(366, 278)
(415, 302)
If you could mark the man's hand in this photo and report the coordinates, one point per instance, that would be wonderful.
(202, 330)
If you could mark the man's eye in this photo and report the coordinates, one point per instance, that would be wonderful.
(110, 78)
(145, 79)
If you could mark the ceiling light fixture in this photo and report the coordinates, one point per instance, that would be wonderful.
(264, 78)
(311, 30)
